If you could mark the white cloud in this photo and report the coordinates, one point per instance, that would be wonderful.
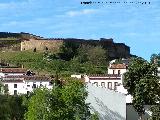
(81, 12)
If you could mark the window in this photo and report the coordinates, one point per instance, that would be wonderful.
(96, 84)
(113, 71)
(15, 92)
(28, 92)
(41, 84)
(34, 85)
(103, 84)
(115, 85)
(119, 72)
(46, 48)
(109, 85)
(15, 85)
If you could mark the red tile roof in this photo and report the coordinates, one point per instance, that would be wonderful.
(118, 66)
(38, 78)
(13, 70)
(14, 76)
(104, 75)
(104, 78)
(9, 81)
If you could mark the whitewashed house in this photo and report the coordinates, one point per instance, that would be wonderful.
(113, 80)
(117, 69)
(12, 71)
(24, 84)
(21, 81)
(110, 81)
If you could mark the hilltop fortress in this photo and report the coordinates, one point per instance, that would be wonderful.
(26, 41)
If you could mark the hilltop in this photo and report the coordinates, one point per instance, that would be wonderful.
(26, 41)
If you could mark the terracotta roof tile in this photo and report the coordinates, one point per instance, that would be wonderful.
(104, 75)
(104, 78)
(118, 66)
(16, 81)
(38, 78)
(13, 70)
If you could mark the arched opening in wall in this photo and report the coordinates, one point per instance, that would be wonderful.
(23, 48)
(46, 48)
(34, 50)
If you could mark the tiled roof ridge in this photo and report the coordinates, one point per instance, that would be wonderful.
(12, 70)
(104, 75)
(119, 66)
(36, 77)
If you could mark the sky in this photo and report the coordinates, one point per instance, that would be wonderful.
(136, 25)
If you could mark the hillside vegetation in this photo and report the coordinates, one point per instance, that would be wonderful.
(87, 59)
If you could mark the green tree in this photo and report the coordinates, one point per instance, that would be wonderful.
(11, 108)
(1, 87)
(155, 109)
(38, 105)
(98, 56)
(94, 54)
(142, 83)
(66, 102)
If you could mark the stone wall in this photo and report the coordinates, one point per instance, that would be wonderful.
(41, 45)
(10, 45)
(114, 50)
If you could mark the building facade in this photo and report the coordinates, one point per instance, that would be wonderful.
(18, 81)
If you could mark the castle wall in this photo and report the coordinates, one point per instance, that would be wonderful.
(10, 45)
(114, 50)
(41, 45)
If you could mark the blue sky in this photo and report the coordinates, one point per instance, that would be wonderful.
(136, 25)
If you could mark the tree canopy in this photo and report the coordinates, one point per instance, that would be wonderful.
(142, 83)
(62, 103)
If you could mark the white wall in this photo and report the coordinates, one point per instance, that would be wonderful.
(77, 76)
(106, 83)
(8, 74)
(22, 87)
(97, 80)
(158, 71)
(108, 104)
(122, 71)
(2, 75)
(121, 89)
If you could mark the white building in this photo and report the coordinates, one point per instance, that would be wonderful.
(117, 69)
(12, 71)
(18, 81)
(110, 81)
(113, 80)
(25, 84)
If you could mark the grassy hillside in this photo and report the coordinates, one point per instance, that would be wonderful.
(50, 63)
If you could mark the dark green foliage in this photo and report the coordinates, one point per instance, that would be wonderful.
(68, 50)
(8, 34)
(11, 108)
(142, 83)
(155, 109)
(61, 103)
(155, 58)
(72, 59)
